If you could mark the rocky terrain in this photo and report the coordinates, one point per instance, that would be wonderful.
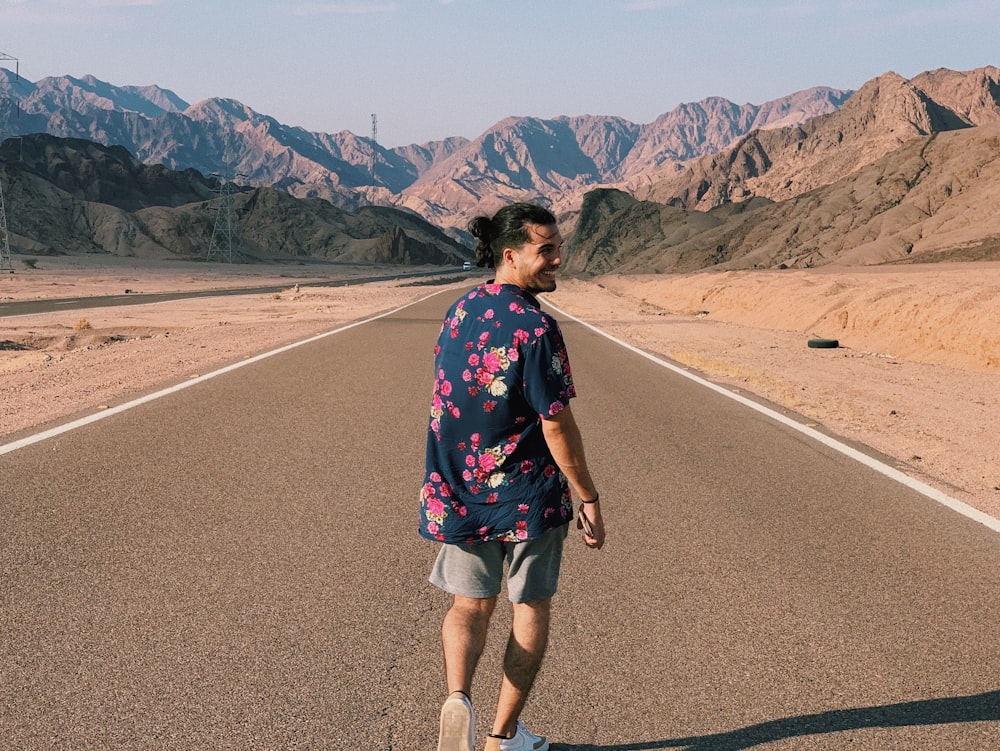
(444, 181)
(86, 198)
(900, 171)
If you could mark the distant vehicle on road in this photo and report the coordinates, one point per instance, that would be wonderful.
(467, 266)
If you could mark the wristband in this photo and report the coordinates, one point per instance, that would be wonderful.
(595, 500)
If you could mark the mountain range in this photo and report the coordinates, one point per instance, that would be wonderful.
(707, 184)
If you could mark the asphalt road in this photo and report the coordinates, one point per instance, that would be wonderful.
(48, 305)
(236, 566)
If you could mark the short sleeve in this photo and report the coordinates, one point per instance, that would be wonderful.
(548, 380)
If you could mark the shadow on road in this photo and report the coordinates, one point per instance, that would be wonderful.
(976, 708)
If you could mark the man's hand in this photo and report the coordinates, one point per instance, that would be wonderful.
(592, 523)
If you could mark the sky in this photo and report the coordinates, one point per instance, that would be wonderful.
(430, 69)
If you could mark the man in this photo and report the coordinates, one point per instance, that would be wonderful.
(503, 450)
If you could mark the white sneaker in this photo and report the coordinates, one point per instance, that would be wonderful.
(458, 724)
(524, 740)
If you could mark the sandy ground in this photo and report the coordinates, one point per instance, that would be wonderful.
(916, 376)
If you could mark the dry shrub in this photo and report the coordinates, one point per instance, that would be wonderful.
(82, 325)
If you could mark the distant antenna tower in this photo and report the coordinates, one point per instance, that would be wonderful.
(374, 145)
(5, 261)
(225, 234)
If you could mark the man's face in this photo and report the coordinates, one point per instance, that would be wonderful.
(535, 262)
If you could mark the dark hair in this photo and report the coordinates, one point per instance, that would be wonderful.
(507, 229)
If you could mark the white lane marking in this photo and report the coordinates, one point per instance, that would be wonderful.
(891, 472)
(60, 429)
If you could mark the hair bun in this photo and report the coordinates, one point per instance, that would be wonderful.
(483, 229)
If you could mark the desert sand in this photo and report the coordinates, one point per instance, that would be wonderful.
(916, 375)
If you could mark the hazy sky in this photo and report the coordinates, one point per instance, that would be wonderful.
(436, 68)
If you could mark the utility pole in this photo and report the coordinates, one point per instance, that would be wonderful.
(5, 261)
(225, 234)
(374, 145)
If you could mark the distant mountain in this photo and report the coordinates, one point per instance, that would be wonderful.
(67, 196)
(904, 171)
(932, 199)
(784, 162)
(444, 181)
(820, 176)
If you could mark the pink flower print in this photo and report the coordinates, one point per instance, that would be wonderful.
(437, 350)
(493, 289)
(483, 377)
(473, 391)
(483, 338)
(475, 438)
(470, 460)
(489, 405)
(527, 466)
(466, 375)
(550, 470)
(516, 307)
(460, 446)
(467, 476)
(555, 408)
(509, 448)
(487, 462)
(435, 477)
(468, 345)
(492, 498)
(521, 336)
(513, 355)
(491, 361)
(435, 425)
(454, 411)
(539, 330)
(432, 527)
(445, 490)
(474, 359)
(488, 315)
(523, 508)
(435, 508)
(446, 388)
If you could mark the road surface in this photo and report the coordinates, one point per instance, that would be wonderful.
(236, 566)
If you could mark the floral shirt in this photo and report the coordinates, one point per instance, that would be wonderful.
(500, 367)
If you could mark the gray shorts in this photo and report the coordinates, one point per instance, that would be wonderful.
(477, 570)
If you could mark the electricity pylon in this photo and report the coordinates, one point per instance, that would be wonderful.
(5, 262)
(371, 167)
(225, 234)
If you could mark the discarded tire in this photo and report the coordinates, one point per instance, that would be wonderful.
(824, 343)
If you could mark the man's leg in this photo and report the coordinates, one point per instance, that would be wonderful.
(463, 636)
(529, 637)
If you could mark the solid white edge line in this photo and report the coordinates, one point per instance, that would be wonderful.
(933, 493)
(60, 429)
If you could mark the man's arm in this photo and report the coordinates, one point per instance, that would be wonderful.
(566, 444)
